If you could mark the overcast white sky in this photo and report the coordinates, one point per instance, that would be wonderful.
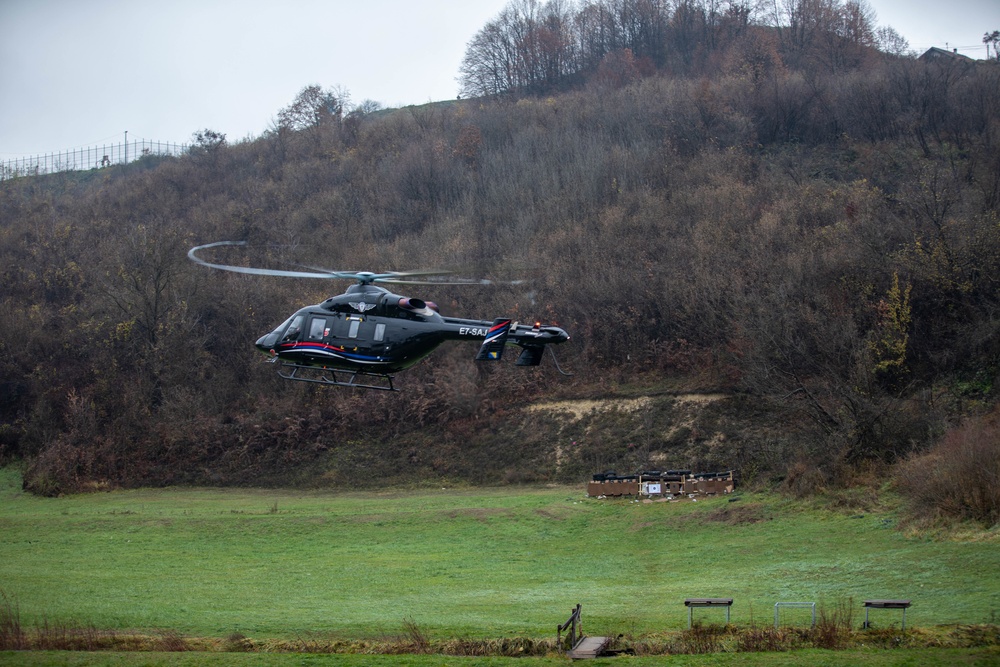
(77, 73)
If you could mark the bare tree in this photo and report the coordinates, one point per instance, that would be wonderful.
(528, 47)
(313, 107)
(490, 64)
(891, 42)
(994, 39)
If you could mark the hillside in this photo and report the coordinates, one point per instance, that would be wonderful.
(816, 249)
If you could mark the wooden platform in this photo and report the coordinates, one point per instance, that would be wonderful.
(589, 647)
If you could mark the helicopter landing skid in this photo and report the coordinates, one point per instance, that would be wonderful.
(332, 377)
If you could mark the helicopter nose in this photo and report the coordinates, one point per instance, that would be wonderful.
(266, 343)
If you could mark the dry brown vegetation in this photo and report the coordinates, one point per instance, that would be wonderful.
(819, 241)
(959, 478)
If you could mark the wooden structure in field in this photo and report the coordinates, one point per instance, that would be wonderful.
(665, 484)
(579, 646)
(691, 603)
(886, 604)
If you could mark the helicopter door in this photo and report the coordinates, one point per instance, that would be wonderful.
(318, 328)
(365, 332)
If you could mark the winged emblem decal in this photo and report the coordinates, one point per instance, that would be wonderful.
(361, 306)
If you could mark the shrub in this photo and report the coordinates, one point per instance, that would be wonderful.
(12, 636)
(833, 627)
(959, 478)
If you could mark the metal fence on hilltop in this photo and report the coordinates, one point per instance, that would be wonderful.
(92, 157)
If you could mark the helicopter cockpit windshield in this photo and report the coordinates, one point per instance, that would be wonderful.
(290, 328)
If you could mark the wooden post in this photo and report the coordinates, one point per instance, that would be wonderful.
(573, 624)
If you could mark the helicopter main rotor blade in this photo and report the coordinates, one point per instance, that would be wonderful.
(363, 277)
(404, 277)
(396, 277)
(457, 281)
(249, 269)
(407, 281)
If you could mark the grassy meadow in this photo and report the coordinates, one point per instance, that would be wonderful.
(476, 563)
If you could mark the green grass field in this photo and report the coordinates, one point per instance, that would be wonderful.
(482, 563)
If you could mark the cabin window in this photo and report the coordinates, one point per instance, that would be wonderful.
(355, 325)
(293, 329)
(317, 328)
(379, 332)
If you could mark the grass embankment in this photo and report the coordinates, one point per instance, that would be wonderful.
(486, 563)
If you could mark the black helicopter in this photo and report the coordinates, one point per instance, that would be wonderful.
(361, 337)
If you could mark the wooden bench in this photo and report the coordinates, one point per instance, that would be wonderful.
(691, 603)
(886, 604)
